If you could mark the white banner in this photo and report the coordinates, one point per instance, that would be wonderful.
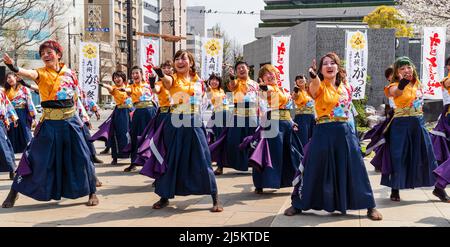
(148, 50)
(212, 57)
(433, 61)
(89, 69)
(280, 59)
(356, 57)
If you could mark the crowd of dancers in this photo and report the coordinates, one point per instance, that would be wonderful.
(158, 124)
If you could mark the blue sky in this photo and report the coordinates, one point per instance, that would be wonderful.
(239, 27)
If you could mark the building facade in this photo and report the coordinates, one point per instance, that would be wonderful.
(196, 22)
(279, 15)
(173, 22)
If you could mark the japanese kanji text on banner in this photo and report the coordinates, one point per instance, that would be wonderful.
(148, 50)
(89, 69)
(212, 57)
(356, 57)
(280, 59)
(433, 61)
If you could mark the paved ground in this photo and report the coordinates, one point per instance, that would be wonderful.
(126, 200)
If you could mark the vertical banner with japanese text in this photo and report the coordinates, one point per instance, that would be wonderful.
(356, 59)
(280, 59)
(148, 50)
(433, 61)
(89, 73)
(212, 57)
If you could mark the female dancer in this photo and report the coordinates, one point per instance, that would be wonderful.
(117, 131)
(20, 97)
(411, 161)
(333, 173)
(304, 113)
(278, 142)
(219, 101)
(57, 161)
(142, 97)
(7, 116)
(226, 150)
(187, 159)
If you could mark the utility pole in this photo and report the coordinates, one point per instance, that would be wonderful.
(174, 32)
(129, 38)
(70, 51)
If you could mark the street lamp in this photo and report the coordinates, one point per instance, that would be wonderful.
(69, 35)
(122, 45)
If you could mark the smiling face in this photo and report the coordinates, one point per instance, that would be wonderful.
(12, 80)
(301, 83)
(406, 71)
(50, 57)
(167, 70)
(136, 75)
(269, 78)
(118, 80)
(214, 83)
(329, 68)
(183, 63)
(242, 71)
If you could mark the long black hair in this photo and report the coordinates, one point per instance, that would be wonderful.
(7, 86)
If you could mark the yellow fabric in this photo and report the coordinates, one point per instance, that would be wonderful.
(141, 105)
(217, 97)
(327, 119)
(276, 98)
(136, 91)
(58, 114)
(182, 89)
(240, 91)
(185, 109)
(119, 97)
(407, 98)
(304, 110)
(407, 112)
(245, 112)
(11, 93)
(280, 115)
(49, 82)
(163, 95)
(303, 98)
(327, 98)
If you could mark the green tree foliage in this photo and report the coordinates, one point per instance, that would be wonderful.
(389, 17)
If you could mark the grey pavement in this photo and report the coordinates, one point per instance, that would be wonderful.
(126, 199)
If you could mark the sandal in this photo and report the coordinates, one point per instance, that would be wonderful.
(217, 208)
(162, 203)
(395, 195)
(374, 214)
(291, 211)
(259, 191)
(218, 171)
(441, 194)
(131, 168)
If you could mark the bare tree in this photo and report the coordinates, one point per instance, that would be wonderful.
(24, 23)
(232, 51)
(426, 12)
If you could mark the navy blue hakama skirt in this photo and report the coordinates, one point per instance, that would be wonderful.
(189, 170)
(412, 158)
(306, 123)
(286, 152)
(59, 162)
(334, 175)
(21, 135)
(141, 117)
(7, 159)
